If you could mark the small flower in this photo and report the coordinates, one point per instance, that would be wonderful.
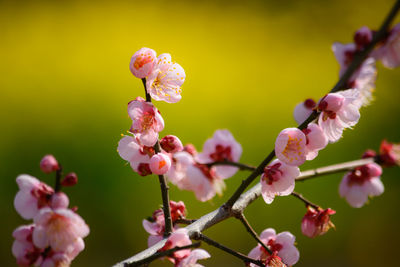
(303, 110)
(23, 249)
(389, 52)
(389, 154)
(165, 82)
(278, 179)
(49, 164)
(281, 244)
(32, 196)
(315, 140)
(179, 238)
(142, 62)
(290, 146)
(171, 144)
(192, 258)
(360, 183)
(160, 163)
(138, 155)
(221, 147)
(338, 111)
(59, 228)
(316, 222)
(147, 121)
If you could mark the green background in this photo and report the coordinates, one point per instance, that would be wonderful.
(65, 83)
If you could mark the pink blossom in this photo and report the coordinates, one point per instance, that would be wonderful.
(142, 62)
(315, 140)
(179, 238)
(160, 163)
(344, 54)
(389, 154)
(177, 174)
(303, 110)
(192, 258)
(32, 196)
(221, 147)
(282, 243)
(338, 111)
(147, 121)
(360, 183)
(49, 164)
(171, 144)
(389, 52)
(316, 222)
(165, 82)
(363, 37)
(364, 80)
(278, 179)
(23, 249)
(138, 155)
(290, 146)
(59, 228)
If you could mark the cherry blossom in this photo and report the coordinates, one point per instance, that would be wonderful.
(360, 183)
(282, 244)
(221, 147)
(171, 144)
(179, 238)
(142, 62)
(165, 81)
(192, 258)
(23, 248)
(32, 196)
(338, 111)
(147, 121)
(59, 228)
(138, 155)
(389, 154)
(290, 146)
(303, 110)
(278, 179)
(177, 174)
(316, 222)
(389, 52)
(315, 140)
(160, 163)
(49, 164)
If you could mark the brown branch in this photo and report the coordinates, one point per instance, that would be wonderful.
(239, 255)
(163, 181)
(161, 254)
(241, 166)
(57, 185)
(184, 221)
(359, 58)
(253, 233)
(306, 201)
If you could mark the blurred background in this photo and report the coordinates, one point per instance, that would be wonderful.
(65, 84)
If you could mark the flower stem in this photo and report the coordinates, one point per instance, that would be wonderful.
(306, 201)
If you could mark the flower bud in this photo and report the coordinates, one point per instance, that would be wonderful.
(49, 164)
(362, 37)
(59, 201)
(160, 163)
(143, 169)
(142, 62)
(70, 179)
(369, 154)
(191, 149)
(171, 144)
(316, 222)
(389, 154)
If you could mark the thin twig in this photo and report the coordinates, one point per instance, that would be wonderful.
(241, 166)
(163, 181)
(161, 254)
(306, 201)
(239, 255)
(184, 221)
(253, 233)
(359, 58)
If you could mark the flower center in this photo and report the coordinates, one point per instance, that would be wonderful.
(142, 60)
(148, 120)
(207, 171)
(272, 173)
(221, 153)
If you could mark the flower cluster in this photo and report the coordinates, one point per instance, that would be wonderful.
(56, 235)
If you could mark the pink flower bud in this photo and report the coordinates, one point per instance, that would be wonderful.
(316, 222)
(142, 62)
(160, 163)
(143, 169)
(59, 201)
(369, 154)
(171, 144)
(49, 164)
(389, 154)
(191, 149)
(362, 37)
(70, 179)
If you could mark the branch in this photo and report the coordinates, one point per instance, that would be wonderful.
(253, 233)
(306, 201)
(184, 221)
(228, 250)
(162, 180)
(161, 254)
(241, 166)
(57, 185)
(359, 57)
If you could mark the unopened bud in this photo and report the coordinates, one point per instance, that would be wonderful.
(160, 163)
(171, 144)
(49, 164)
(59, 201)
(70, 179)
(191, 149)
